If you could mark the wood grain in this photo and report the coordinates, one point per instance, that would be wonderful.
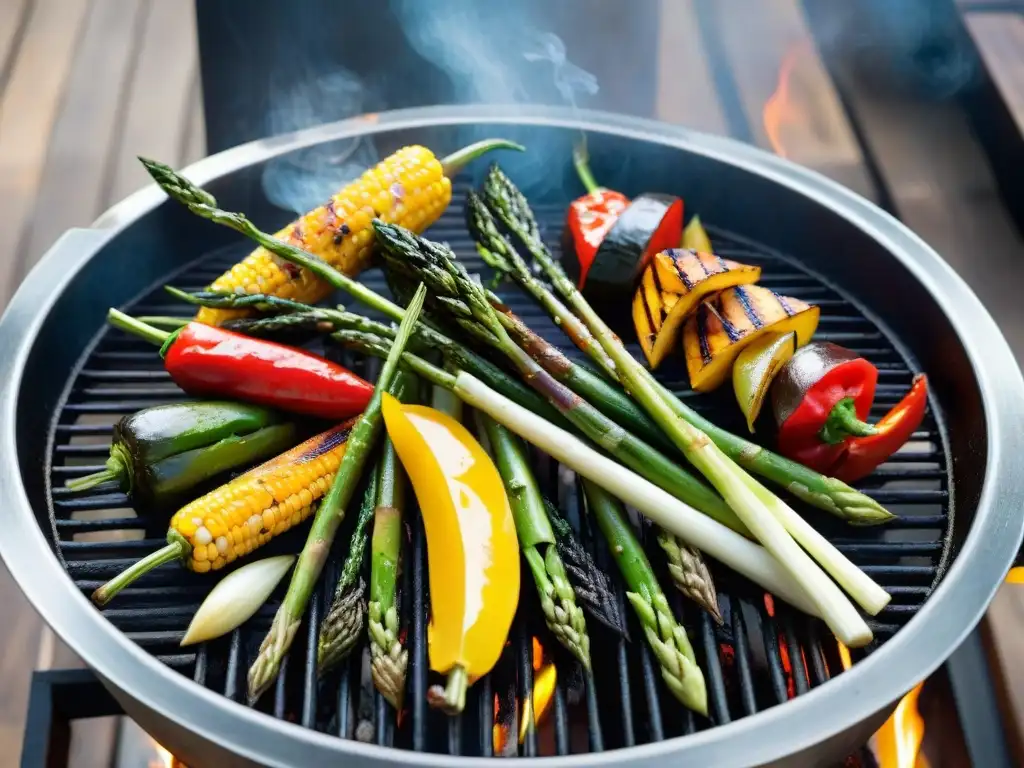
(685, 91)
(1000, 41)
(28, 108)
(775, 63)
(86, 129)
(160, 97)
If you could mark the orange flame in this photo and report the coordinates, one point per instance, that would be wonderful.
(164, 758)
(898, 742)
(779, 109)
(535, 707)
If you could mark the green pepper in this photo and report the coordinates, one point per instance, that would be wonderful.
(160, 453)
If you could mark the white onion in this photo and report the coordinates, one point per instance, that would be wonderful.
(236, 598)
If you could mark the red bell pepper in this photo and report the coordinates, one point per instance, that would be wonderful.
(205, 360)
(863, 454)
(821, 399)
(590, 219)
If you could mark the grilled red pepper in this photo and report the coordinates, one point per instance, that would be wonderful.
(821, 398)
(590, 218)
(205, 360)
(863, 454)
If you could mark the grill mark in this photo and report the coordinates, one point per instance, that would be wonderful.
(731, 330)
(331, 217)
(748, 309)
(721, 262)
(702, 334)
(677, 262)
(784, 303)
(327, 442)
(647, 311)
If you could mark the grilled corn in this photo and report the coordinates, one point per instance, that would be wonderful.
(247, 512)
(411, 188)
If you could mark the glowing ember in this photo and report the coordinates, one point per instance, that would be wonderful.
(897, 744)
(164, 759)
(780, 109)
(534, 709)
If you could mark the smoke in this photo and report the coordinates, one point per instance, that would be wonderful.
(302, 180)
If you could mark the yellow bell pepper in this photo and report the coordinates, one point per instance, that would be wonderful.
(472, 549)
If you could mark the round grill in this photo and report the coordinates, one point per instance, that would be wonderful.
(759, 658)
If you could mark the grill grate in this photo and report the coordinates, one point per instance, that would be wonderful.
(759, 658)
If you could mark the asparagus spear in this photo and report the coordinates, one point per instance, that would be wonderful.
(328, 518)
(537, 541)
(771, 520)
(715, 539)
(592, 586)
(347, 615)
(667, 639)
(389, 659)
(827, 493)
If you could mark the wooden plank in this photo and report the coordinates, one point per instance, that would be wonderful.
(160, 96)
(1001, 631)
(86, 129)
(14, 15)
(685, 92)
(28, 108)
(194, 147)
(786, 94)
(1000, 41)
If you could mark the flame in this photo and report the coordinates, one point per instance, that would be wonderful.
(1015, 576)
(779, 108)
(897, 744)
(164, 758)
(535, 708)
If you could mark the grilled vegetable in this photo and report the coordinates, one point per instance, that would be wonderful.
(537, 539)
(724, 325)
(246, 513)
(820, 400)
(472, 551)
(611, 250)
(786, 535)
(236, 598)
(204, 360)
(672, 286)
(666, 637)
(695, 238)
(325, 525)
(755, 369)
(411, 187)
(159, 453)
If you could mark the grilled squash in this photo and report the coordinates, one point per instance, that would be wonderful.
(671, 287)
(722, 326)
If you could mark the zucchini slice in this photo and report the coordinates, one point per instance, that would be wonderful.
(671, 287)
(724, 325)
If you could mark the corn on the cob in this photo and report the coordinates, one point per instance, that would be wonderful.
(247, 512)
(410, 187)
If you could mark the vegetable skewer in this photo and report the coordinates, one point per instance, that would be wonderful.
(389, 659)
(328, 518)
(772, 521)
(537, 541)
(667, 639)
(730, 548)
(826, 493)
(347, 613)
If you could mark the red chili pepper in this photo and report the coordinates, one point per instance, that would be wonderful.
(590, 219)
(863, 454)
(205, 360)
(821, 398)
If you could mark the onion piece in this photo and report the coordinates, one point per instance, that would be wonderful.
(236, 598)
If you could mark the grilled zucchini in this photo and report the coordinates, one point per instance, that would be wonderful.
(722, 326)
(673, 284)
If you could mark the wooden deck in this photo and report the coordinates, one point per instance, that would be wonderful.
(86, 85)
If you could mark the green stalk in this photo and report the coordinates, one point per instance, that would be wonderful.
(129, 324)
(328, 518)
(456, 161)
(666, 637)
(537, 540)
(826, 493)
(581, 160)
(389, 659)
(177, 548)
(346, 615)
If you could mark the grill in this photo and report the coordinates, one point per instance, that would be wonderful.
(766, 667)
(749, 661)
